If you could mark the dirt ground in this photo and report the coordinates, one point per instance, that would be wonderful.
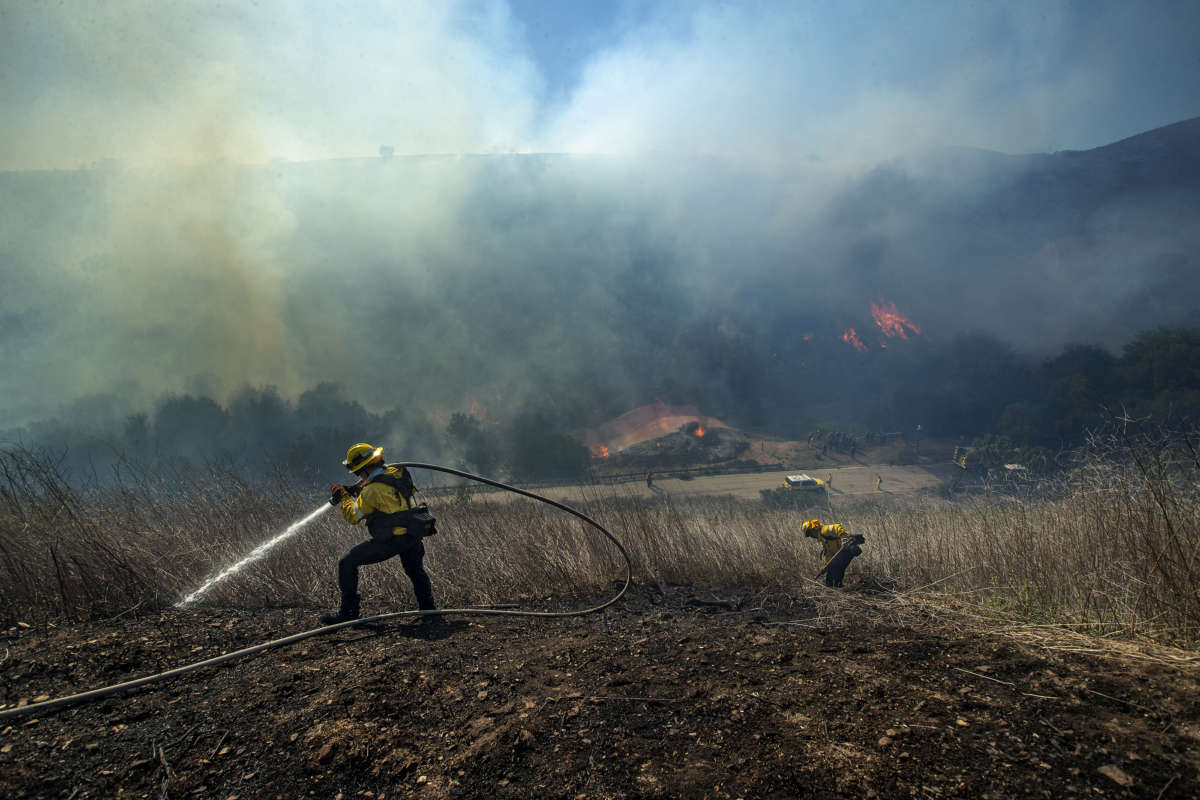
(847, 479)
(674, 692)
(852, 482)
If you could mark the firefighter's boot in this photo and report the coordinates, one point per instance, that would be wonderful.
(347, 612)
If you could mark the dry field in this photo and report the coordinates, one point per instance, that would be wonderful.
(1036, 644)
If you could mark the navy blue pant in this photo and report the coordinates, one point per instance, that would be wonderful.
(412, 556)
(836, 570)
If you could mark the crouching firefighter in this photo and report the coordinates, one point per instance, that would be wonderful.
(383, 498)
(838, 549)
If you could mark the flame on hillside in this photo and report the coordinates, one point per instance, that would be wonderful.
(700, 431)
(890, 321)
(479, 412)
(850, 337)
(599, 451)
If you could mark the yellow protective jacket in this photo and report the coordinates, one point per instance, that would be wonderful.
(831, 537)
(377, 499)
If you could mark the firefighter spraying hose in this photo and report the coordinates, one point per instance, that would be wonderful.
(415, 519)
(383, 499)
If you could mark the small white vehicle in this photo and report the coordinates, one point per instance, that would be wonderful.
(805, 483)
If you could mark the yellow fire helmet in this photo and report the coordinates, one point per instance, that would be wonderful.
(811, 527)
(362, 455)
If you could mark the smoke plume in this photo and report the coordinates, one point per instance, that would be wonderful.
(389, 197)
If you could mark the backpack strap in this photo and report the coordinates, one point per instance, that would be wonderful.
(402, 482)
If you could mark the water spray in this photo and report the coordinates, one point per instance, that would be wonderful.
(252, 556)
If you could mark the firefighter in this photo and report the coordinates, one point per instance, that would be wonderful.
(838, 549)
(384, 497)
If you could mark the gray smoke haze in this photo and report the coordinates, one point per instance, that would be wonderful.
(193, 201)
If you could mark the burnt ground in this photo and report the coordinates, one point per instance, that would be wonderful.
(673, 693)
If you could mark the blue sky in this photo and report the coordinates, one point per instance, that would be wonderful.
(148, 80)
(562, 36)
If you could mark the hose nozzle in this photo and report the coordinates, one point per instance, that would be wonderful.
(337, 491)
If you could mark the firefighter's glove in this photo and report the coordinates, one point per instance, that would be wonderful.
(337, 492)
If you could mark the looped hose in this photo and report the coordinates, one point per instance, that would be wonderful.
(95, 694)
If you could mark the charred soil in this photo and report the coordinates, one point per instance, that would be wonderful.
(675, 692)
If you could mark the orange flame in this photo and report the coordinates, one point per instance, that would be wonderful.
(850, 337)
(480, 413)
(890, 320)
(700, 430)
(600, 451)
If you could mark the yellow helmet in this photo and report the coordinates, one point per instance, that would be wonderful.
(812, 527)
(362, 455)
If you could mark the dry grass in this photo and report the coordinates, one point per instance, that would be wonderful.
(1109, 551)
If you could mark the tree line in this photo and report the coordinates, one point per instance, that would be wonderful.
(259, 433)
(972, 387)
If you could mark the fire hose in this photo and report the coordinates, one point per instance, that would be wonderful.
(95, 694)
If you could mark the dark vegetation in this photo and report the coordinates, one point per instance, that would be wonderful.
(787, 499)
(973, 389)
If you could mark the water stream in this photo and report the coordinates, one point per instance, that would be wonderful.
(251, 557)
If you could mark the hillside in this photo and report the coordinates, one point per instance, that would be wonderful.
(675, 692)
(588, 285)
